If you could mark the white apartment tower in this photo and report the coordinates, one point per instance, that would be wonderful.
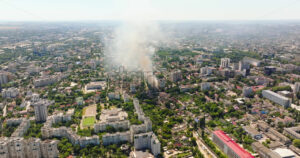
(40, 111)
(225, 62)
(147, 141)
(297, 87)
(3, 78)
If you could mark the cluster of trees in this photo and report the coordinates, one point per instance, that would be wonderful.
(213, 109)
(34, 130)
(213, 147)
(87, 132)
(132, 117)
(296, 143)
(235, 55)
(231, 112)
(66, 149)
(241, 136)
(10, 55)
(64, 123)
(281, 88)
(172, 52)
(6, 130)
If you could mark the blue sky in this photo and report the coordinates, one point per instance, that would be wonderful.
(75, 10)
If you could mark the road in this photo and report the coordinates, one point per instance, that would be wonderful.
(203, 148)
(5, 111)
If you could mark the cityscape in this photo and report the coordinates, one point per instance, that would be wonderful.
(149, 88)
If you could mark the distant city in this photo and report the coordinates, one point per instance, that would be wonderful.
(202, 89)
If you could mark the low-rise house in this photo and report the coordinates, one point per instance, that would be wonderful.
(253, 132)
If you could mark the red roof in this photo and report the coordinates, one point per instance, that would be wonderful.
(255, 88)
(242, 153)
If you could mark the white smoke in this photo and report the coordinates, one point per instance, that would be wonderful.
(134, 40)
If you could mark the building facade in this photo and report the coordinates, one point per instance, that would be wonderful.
(228, 146)
(18, 147)
(147, 141)
(225, 63)
(281, 100)
(40, 111)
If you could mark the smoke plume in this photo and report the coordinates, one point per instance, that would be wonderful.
(134, 40)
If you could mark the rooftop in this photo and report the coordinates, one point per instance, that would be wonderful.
(284, 152)
(232, 144)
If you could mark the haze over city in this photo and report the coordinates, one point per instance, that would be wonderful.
(77, 10)
(150, 78)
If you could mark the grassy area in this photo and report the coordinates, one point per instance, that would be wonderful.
(88, 121)
(83, 110)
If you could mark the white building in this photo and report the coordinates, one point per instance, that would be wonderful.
(113, 95)
(247, 91)
(285, 153)
(49, 132)
(100, 85)
(225, 62)
(18, 147)
(205, 86)
(44, 81)
(3, 78)
(116, 138)
(147, 141)
(40, 110)
(115, 118)
(175, 76)
(132, 88)
(101, 126)
(22, 128)
(243, 66)
(205, 71)
(79, 101)
(251, 61)
(281, 100)
(297, 87)
(49, 149)
(140, 154)
(10, 92)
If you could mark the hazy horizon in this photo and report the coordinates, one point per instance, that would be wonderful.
(167, 10)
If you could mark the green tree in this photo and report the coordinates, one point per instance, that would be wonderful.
(296, 143)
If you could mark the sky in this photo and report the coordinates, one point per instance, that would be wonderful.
(86, 10)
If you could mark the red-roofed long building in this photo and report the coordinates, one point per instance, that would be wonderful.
(228, 146)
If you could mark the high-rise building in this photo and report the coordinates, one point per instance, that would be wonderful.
(49, 148)
(268, 70)
(11, 92)
(3, 78)
(297, 87)
(116, 138)
(247, 91)
(243, 66)
(251, 61)
(281, 100)
(175, 76)
(225, 62)
(147, 141)
(40, 111)
(205, 71)
(205, 86)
